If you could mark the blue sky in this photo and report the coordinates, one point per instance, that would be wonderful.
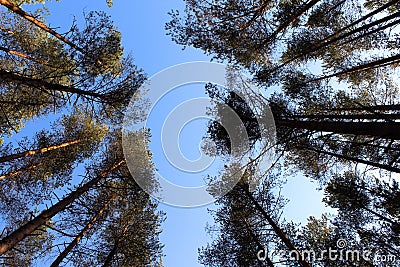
(142, 26)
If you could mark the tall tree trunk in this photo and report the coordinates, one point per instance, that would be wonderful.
(8, 102)
(259, 12)
(38, 151)
(44, 27)
(111, 254)
(81, 234)
(28, 228)
(287, 23)
(6, 30)
(380, 216)
(359, 29)
(23, 169)
(40, 24)
(351, 116)
(369, 144)
(387, 130)
(40, 83)
(379, 29)
(335, 6)
(376, 107)
(366, 66)
(366, 162)
(25, 39)
(260, 247)
(21, 55)
(278, 231)
(365, 17)
(335, 37)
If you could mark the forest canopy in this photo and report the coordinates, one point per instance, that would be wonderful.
(67, 195)
(330, 68)
(329, 71)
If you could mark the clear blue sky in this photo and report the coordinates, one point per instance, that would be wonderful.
(142, 27)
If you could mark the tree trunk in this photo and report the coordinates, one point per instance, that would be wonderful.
(44, 27)
(335, 6)
(326, 41)
(82, 233)
(6, 30)
(359, 29)
(259, 12)
(365, 17)
(111, 254)
(27, 40)
(40, 83)
(387, 130)
(278, 231)
(260, 247)
(40, 24)
(376, 107)
(25, 230)
(287, 23)
(366, 162)
(391, 24)
(369, 144)
(38, 151)
(8, 102)
(366, 66)
(23, 169)
(336, 37)
(351, 116)
(21, 55)
(380, 216)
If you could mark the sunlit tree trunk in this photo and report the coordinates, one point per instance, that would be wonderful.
(40, 24)
(351, 116)
(21, 170)
(374, 107)
(38, 151)
(260, 247)
(21, 55)
(337, 36)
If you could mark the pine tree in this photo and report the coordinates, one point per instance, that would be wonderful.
(364, 201)
(247, 224)
(41, 73)
(82, 72)
(31, 179)
(125, 233)
(334, 68)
